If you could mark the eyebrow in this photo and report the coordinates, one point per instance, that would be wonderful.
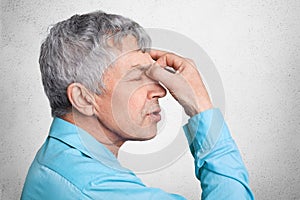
(139, 67)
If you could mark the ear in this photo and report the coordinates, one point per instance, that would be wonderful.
(81, 99)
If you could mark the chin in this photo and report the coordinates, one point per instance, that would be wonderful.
(151, 136)
(146, 135)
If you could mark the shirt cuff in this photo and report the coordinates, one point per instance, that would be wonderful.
(204, 130)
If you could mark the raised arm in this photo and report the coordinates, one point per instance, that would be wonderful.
(218, 164)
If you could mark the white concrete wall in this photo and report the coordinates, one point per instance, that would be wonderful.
(254, 44)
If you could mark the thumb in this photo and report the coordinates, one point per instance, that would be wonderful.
(159, 73)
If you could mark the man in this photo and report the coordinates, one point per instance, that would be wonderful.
(103, 84)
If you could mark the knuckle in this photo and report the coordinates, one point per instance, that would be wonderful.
(170, 54)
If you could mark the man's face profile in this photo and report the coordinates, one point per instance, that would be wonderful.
(129, 104)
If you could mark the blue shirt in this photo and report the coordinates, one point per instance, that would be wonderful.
(71, 164)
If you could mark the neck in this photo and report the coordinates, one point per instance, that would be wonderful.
(96, 129)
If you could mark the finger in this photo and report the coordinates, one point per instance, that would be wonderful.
(172, 60)
(155, 54)
(164, 58)
(158, 73)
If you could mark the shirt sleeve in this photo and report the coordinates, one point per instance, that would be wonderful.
(218, 164)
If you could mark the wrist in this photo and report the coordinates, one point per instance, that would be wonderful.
(200, 108)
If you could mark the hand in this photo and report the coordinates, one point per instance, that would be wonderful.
(185, 84)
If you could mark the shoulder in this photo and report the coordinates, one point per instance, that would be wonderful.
(62, 172)
(76, 167)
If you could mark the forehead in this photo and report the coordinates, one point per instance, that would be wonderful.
(128, 51)
(130, 56)
(130, 60)
(129, 43)
(126, 44)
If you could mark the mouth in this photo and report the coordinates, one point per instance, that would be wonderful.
(154, 115)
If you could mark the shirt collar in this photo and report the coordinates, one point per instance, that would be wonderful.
(84, 142)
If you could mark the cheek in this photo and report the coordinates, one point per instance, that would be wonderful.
(128, 102)
(136, 103)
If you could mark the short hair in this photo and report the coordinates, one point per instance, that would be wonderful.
(77, 51)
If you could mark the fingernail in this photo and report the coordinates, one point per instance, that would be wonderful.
(170, 69)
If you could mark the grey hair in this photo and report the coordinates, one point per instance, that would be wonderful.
(77, 51)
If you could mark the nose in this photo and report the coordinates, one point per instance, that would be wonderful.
(156, 91)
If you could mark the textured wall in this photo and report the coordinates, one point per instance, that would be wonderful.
(254, 44)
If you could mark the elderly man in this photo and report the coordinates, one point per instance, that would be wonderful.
(103, 84)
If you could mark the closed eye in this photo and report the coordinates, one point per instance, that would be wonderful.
(136, 74)
(137, 79)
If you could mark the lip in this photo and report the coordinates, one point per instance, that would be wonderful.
(155, 116)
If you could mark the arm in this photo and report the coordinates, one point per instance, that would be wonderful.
(218, 164)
